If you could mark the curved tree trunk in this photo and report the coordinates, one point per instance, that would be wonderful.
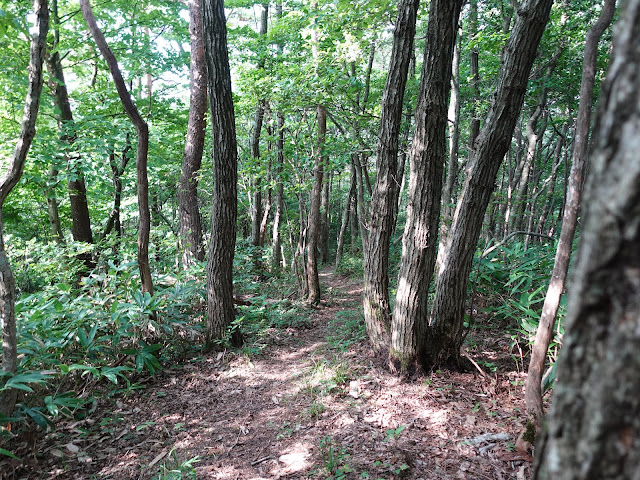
(142, 130)
(427, 157)
(7, 182)
(384, 200)
(533, 389)
(447, 315)
(189, 211)
(594, 420)
(220, 311)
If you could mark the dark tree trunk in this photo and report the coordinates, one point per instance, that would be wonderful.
(475, 75)
(52, 205)
(427, 157)
(533, 391)
(189, 211)
(384, 200)
(313, 227)
(446, 322)
(594, 421)
(142, 130)
(117, 170)
(81, 222)
(220, 310)
(7, 182)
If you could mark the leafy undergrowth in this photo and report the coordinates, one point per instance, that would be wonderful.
(302, 399)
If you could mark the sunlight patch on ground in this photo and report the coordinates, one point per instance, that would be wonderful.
(294, 459)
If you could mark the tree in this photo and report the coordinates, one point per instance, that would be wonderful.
(491, 145)
(142, 129)
(189, 216)
(7, 183)
(384, 201)
(533, 390)
(594, 419)
(427, 157)
(220, 311)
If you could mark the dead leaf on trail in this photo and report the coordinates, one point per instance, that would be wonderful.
(159, 457)
(72, 448)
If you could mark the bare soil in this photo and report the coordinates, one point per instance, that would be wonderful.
(309, 405)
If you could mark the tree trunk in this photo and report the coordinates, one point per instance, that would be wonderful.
(7, 182)
(474, 67)
(313, 227)
(117, 170)
(594, 419)
(142, 130)
(325, 219)
(52, 206)
(427, 156)
(189, 216)
(384, 201)
(277, 261)
(533, 389)
(81, 222)
(345, 215)
(220, 310)
(447, 316)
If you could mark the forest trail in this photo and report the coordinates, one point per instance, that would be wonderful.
(312, 403)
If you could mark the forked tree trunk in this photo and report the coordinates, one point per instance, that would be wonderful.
(142, 129)
(426, 162)
(7, 182)
(189, 211)
(220, 310)
(384, 201)
(533, 389)
(447, 315)
(594, 420)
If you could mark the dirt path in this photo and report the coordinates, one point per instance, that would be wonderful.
(311, 404)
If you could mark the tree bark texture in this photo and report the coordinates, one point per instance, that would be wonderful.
(544, 333)
(220, 311)
(313, 226)
(447, 315)
(474, 67)
(7, 182)
(384, 200)
(189, 211)
(594, 422)
(142, 129)
(426, 163)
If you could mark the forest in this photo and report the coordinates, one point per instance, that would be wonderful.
(322, 239)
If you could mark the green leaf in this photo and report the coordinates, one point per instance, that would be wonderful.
(8, 454)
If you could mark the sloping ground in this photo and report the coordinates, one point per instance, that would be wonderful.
(312, 404)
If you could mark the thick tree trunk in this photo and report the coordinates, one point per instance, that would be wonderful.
(7, 182)
(313, 226)
(533, 389)
(81, 222)
(427, 157)
(384, 201)
(447, 316)
(189, 211)
(142, 129)
(220, 310)
(594, 421)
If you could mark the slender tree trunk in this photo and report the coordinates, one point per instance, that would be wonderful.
(142, 130)
(475, 75)
(313, 231)
(117, 170)
(345, 215)
(52, 206)
(220, 310)
(427, 157)
(325, 218)
(533, 390)
(277, 255)
(594, 419)
(189, 211)
(7, 182)
(447, 315)
(384, 201)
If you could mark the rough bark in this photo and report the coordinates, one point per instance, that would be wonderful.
(447, 316)
(594, 421)
(142, 129)
(384, 200)
(474, 70)
(220, 310)
(544, 333)
(7, 182)
(313, 226)
(189, 212)
(426, 163)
